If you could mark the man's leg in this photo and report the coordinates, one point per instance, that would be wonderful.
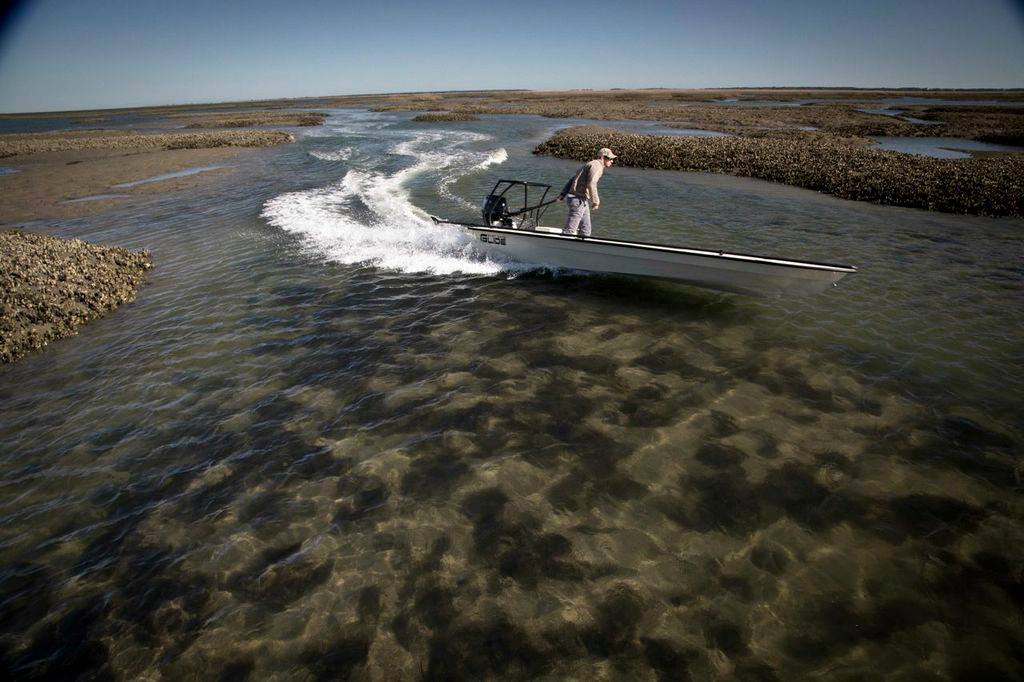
(577, 207)
(585, 221)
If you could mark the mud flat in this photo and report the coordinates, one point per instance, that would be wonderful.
(49, 287)
(65, 175)
(992, 186)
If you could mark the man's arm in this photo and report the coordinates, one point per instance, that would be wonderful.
(596, 171)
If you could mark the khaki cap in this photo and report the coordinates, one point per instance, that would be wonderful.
(607, 153)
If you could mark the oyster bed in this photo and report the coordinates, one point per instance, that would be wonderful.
(992, 186)
(445, 116)
(53, 286)
(835, 112)
(256, 118)
(35, 143)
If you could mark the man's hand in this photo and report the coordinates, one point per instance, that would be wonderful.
(596, 206)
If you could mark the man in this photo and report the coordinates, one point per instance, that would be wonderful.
(580, 193)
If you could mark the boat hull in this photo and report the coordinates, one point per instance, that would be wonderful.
(717, 270)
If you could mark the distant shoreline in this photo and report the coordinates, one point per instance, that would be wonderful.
(825, 123)
(1013, 94)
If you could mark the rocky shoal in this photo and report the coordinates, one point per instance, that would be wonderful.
(445, 116)
(257, 118)
(49, 287)
(992, 186)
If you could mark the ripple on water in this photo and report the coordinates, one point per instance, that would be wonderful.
(342, 471)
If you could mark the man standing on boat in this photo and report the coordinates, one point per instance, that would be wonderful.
(580, 193)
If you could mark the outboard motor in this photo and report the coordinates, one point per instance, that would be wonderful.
(496, 211)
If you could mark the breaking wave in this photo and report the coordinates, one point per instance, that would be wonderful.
(342, 154)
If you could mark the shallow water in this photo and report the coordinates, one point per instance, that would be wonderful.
(329, 439)
(95, 197)
(902, 116)
(937, 101)
(940, 147)
(168, 176)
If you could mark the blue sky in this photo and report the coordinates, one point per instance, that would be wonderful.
(59, 54)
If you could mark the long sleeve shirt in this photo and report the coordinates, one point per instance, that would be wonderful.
(584, 183)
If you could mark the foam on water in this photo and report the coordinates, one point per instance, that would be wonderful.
(368, 217)
(342, 154)
(496, 157)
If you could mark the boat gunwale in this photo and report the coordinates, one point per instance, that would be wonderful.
(784, 262)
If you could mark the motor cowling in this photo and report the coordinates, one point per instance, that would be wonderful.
(496, 211)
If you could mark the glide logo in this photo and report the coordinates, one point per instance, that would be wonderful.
(492, 239)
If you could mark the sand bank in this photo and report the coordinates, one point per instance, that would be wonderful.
(57, 168)
(49, 287)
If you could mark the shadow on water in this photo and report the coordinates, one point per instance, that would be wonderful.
(647, 295)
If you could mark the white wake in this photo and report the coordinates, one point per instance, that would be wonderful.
(367, 217)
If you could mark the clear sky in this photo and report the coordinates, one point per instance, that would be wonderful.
(79, 54)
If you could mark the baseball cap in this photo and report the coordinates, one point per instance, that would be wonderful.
(607, 153)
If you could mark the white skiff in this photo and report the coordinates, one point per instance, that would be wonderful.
(715, 269)
(516, 235)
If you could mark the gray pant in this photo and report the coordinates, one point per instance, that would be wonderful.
(579, 216)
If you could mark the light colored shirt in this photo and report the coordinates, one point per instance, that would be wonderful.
(584, 183)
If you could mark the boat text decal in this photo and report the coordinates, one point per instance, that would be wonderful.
(492, 239)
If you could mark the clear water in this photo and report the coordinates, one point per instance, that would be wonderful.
(330, 440)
